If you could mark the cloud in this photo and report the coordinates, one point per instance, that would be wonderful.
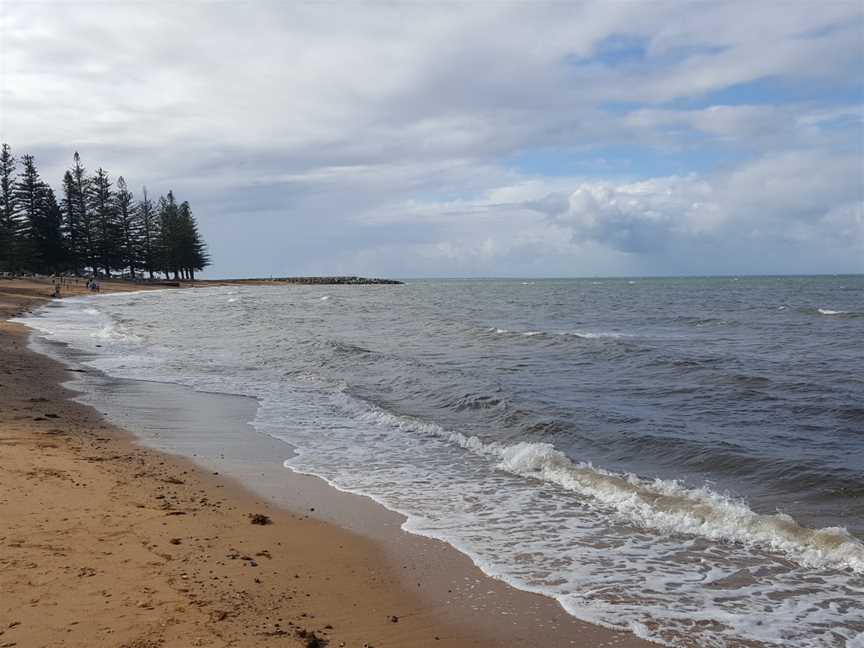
(393, 136)
(635, 217)
(806, 198)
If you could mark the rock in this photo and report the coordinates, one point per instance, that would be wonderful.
(311, 639)
(260, 518)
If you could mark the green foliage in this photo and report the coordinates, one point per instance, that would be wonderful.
(29, 196)
(9, 220)
(149, 235)
(78, 225)
(100, 200)
(97, 228)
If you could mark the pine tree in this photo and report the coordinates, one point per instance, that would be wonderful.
(95, 226)
(169, 229)
(47, 235)
(78, 226)
(27, 195)
(193, 251)
(89, 237)
(9, 221)
(71, 221)
(149, 234)
(39, 236)
(101, 202)
(129, 229)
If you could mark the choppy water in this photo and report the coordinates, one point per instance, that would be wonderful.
(680, 457)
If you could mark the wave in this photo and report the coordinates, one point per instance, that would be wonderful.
(831, 312)
(670, 507)
(690, 320)
(475, 402)
(77, 319)
(662, 505)
(346, 348)
(116, 332)
(586, 335)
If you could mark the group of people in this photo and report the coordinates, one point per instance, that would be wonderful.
(92, 285)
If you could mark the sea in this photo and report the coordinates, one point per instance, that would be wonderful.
(682, 458)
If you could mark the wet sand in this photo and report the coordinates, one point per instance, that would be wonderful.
(108, 540)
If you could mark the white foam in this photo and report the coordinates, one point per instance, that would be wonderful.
(539, 537)
(856, 641)
(587, 335)
(664, 505)
(77, 320)
(670, 507)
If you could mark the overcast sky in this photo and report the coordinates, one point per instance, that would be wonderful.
(463, 138)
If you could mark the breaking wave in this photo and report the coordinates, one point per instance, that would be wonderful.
(662, 505)
(587, 335)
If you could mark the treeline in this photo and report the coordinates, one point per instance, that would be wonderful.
(97, 228)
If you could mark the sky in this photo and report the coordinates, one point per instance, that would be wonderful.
(462, 139)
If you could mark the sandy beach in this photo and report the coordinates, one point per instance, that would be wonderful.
(108, 543)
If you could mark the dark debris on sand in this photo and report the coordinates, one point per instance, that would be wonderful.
(260, 518)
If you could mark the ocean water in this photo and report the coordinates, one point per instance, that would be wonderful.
(683, 458)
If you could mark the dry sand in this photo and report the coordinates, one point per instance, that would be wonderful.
(106, 543)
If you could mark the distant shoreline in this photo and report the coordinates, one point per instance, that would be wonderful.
(330, 281)
(118, 284)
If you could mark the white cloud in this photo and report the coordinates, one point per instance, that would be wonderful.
(635, 217)
(273, 75)
(340, 124)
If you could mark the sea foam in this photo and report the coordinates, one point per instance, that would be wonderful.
(663, 505)
(828, 311)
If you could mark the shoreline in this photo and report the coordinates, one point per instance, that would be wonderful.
(357, 582)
